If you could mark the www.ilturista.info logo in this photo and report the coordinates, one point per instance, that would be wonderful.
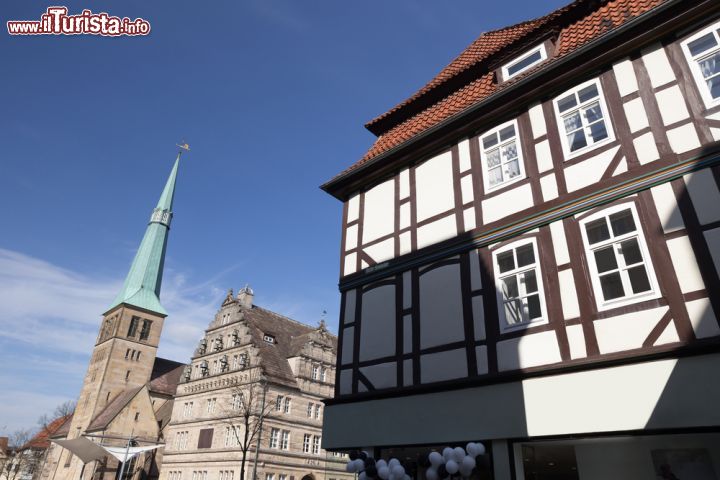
(56, 21)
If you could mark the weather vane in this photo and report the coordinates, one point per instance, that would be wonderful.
(183, 146)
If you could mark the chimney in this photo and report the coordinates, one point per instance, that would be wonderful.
(3, 444)
(245, 297)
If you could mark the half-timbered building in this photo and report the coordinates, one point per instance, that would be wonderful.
(531, 252)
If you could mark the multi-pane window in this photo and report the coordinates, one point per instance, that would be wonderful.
(317, 410)
(310, 409)
(274, 438)
(237, 401)
(269, 476)
(619, 262)
(285, 440)
(323, 374)
(287, 405)
(145, 330)
(279, 403)
(181, 440)
(306, 443)
(211, 405)
(282, 476)
(519, 284)
(232, 436)
(316, 444)
(582, 117)
(187, 409)
(501, 156)
(315, 372)
(132, 329)
(703, 53)
(524, 62)
(226, 475)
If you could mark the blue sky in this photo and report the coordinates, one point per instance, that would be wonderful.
(271, 95)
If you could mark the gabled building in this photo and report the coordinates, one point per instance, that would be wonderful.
(278, 371)
(127, 391)
(531, 253)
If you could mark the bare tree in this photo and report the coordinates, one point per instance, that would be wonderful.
(65, 408)
(245, 412)
(22, 460)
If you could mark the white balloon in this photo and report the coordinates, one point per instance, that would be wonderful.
(452, 467)
(381, 463)
(471, 449)
(480, 448)
(398, 471)
(407, 477)
(362, 476)
(392, 476)
(392, 462)
(369, 455)
(436, 459)
(468, 463)
(447, 453)
(383, 472)
(350, 467)
(458, 454)
(359, 465)
(431, 474)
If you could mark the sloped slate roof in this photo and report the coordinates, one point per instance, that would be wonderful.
(396, 126)
(287, 333)
(64, 428)
(113, 409)
(165, 376)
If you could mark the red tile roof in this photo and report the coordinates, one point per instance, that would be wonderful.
(42, 439)
(603, 16)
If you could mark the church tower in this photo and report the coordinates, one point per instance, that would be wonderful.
(125, 351)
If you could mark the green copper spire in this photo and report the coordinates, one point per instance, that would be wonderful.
(142, 285)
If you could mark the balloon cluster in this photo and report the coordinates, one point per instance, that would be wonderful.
(367, 468)
(453, 461)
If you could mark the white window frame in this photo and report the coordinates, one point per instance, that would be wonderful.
(504, 326)
(315, 371)
(310, 409)
(285, 440)
(695, 67)
(606, 118)
(274, 438)
(316, 445)
(654, 291)
(306, 442)
(506, 68)
(286, 405)
(520, 157)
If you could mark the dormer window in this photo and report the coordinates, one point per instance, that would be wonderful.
(269, 338)
(522, 63)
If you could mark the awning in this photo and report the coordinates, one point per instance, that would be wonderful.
(88, 451)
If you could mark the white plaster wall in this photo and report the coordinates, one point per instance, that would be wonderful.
(548, 187)
(381, 251)
(441, 314)
(704, 195)
(469, 218)
(513, 201)
(576, 339)
(625, 77)
(466, 187)
(353, 208)
(350, 264)
(381, 376)
(557, 232)
(405, 215)
(437, 231)
(683, 138)
(672, 105)
(377, 324)
(668, 335)
(464, 155)
(667, 207)
(543, 156)
(436, 367)
(347, 345)
(645, 148)
(405, 243)
(589, 171)
(351, 237)
(537, 120)
(481, 357)
(627, 331)
(404, 179)
(657, 65)
(702, 318)
(434, 186)
(568, 294)
(685, 264)
(636, 116)
(379, 214)
(528, 351)
(478, 317)
(712, 237)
